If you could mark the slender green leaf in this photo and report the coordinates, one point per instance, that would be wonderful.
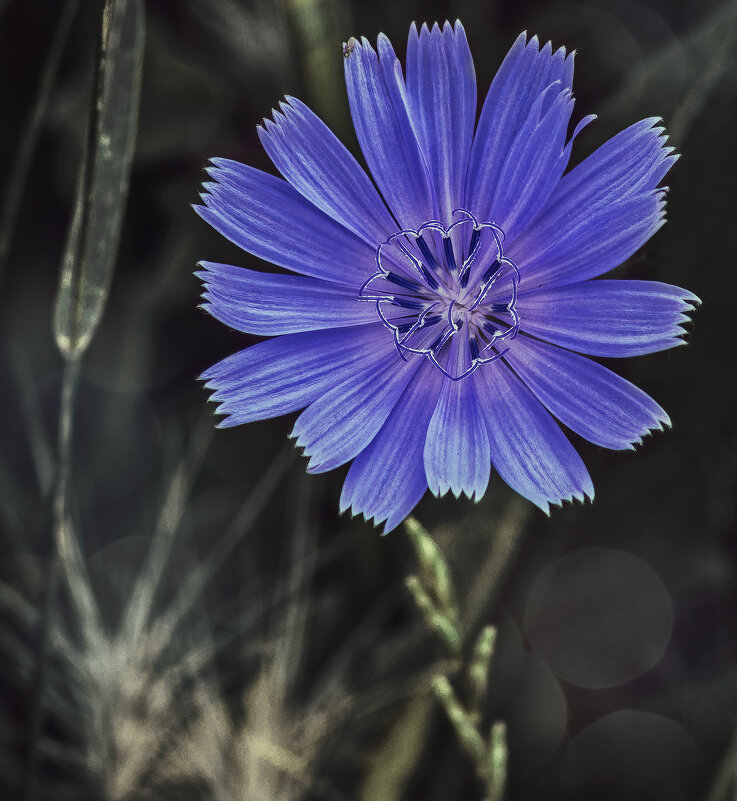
(94, 233)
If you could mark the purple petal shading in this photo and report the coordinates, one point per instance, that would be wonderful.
(387, 479)
(441, 84)
(632, 162)
(267, 217)
(534, 163)
(268, 304)
(523, 76)
(457, 446)
(288, 373)
(361, 259)
(379, 107)
(309, 155)
(609, 318)
(603, 211)
(528, 449)
(590, 245)
(585, 396)
(339, 425)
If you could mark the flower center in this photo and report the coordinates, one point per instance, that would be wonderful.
(447, 293)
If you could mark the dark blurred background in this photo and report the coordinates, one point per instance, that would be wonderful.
(297, 665)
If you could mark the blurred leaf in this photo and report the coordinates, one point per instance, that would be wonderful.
(498, 756)
(681, 75)
(92, 243)
(392, 764)
(252, 40)
(436, 620)
(185, 102)
(466, 732)
(478, 667)
(434, 570)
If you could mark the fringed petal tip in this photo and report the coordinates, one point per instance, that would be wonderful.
(386, 524)
(472, 494)
(206, 304)
(347, 507)
(217, 165)
(227, 420)
(448, 28)
(290, 110)
(348, 503)
(300, 435)
(210, 377)
(689, 299)
(658, 426)
(689, 304)
(586, 494)
(524, 41)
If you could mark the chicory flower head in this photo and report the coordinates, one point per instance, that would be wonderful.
(435, 327)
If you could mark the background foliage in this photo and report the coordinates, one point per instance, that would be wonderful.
(217, 630)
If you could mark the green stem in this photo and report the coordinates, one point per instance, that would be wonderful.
(70, 382)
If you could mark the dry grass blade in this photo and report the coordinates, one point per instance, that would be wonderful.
(195, 583)
(86, 272)
(40, 445)
(92, 244)
(142, 597)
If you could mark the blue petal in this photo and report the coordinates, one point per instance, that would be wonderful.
(387, 479)
(266, 304)
(534, 164)
(339, 425)
(523, 76)
(290, 372)
(570, 249)
(266, 216)
(609, 318)
(309, 155)
(604, 210)
(457, 446)
(378, 101)
(587, 397)
(441, 84)
(630, 163)
(528, 449)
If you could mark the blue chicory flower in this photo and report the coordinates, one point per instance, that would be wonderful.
(438, 331)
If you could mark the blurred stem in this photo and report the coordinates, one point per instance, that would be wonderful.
(435, 597)
(724, 787)
(21, 164)
(320, 26)
(392, 768)
(60, 513)
(85, 279)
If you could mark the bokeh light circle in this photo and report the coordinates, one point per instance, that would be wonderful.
(633, 755)
(599, 617)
